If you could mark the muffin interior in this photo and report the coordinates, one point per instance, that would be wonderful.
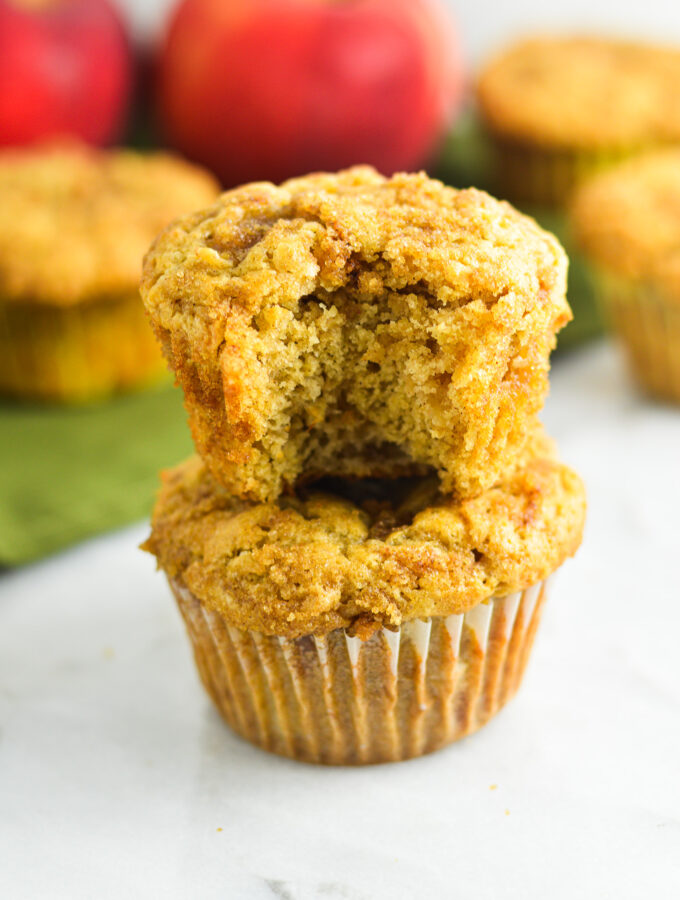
(364, 383)
(387, 504)
(357, 383)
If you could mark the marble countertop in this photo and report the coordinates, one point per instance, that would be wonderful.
(117, 778)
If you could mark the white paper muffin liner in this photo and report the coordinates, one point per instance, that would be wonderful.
(78, 353)
(339, 700)
(530, 173)
(648, 326)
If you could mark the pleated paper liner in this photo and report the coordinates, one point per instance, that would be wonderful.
(648, 326)
(78, 353)
(339, 700)
(541, 176)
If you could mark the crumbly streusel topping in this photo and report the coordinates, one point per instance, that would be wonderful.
(583, 93)
(75, 221)
(364, 554)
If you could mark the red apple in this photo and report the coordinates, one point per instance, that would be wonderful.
(65, 69)
(271, 88)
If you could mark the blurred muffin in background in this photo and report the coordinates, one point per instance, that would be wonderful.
(627, 222)
(559, 108)
(364, 621)
(74, 225)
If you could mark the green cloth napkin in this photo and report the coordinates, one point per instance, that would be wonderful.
(69, 473)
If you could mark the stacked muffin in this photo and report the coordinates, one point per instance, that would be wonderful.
(361, 550)
(74, 222)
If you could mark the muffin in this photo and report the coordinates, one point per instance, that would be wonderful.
(356, 326)
(362, 622)
(74, 225)
(627, 222)
(559, 108)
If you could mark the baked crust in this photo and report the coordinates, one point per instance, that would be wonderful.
(75, 221)
(582, 93)
(352, 325)
(315, 562)
(627, 220)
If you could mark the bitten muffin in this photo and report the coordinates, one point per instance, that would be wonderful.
(364, 622)
(627, 221)
(351, 325)
(74, 225)
(559, 108)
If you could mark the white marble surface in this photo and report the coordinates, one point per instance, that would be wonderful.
(117, 779)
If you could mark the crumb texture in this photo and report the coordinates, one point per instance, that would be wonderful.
(582, 93)
(75, 221)
(359, 326)
(628, 220)
(355, 556)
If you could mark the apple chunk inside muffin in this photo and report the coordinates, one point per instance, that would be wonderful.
(359, 326)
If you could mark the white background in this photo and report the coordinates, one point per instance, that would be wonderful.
(485, 25)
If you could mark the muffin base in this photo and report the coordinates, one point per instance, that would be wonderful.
(78, 353)
(339, 700)
(648, 326)
(534, 175)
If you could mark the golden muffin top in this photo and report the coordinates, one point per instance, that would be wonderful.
(364, 554)
(352, 324)
(76, 221)
(628, 219)
(582, 93)
(263, 246)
